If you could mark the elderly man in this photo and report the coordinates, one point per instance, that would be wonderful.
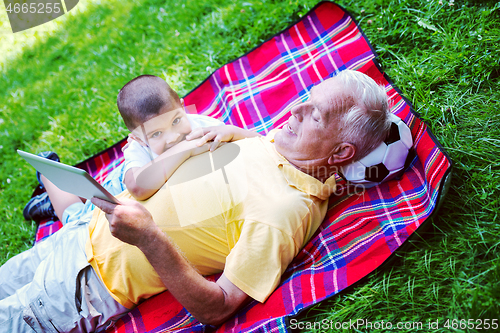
(247, 219)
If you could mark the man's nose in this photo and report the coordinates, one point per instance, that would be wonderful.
(298, 111)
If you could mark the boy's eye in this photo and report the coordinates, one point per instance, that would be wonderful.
(176, 121)
(156, 134)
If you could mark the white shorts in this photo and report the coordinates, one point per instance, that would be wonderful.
(52, 288)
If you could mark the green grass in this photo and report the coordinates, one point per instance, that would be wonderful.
(60, 95)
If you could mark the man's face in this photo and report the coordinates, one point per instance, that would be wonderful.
(311, 135)
(164, 131)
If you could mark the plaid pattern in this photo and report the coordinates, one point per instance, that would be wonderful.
(360, 231)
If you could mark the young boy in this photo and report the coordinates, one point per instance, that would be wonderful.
(159, 127)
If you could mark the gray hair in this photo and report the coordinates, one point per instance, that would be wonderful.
(365, 121)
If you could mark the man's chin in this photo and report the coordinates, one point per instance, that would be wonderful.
(278, 138)
(285, 137)
(280, 144)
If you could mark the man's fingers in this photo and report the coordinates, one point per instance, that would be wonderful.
(104, 205)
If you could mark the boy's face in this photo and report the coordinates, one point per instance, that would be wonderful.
(164, 131)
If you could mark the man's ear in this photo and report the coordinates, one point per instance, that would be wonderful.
(342, 154)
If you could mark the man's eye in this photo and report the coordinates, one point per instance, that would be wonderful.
(176, 121)
(316, 117)
(156, 134)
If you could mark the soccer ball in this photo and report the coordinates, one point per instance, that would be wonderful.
(386, 161)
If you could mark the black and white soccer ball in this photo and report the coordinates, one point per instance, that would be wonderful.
(386, 161)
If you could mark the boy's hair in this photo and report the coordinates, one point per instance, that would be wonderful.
(365, 122)
(144, 98)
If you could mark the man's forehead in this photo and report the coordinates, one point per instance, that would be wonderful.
(327, 92)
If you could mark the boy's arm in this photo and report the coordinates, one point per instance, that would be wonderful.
(145, 181)
(137, 192)
(219, 134)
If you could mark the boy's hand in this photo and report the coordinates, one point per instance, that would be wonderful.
(217, 134)
(191, 148)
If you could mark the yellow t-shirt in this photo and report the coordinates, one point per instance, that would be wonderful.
(249, 218)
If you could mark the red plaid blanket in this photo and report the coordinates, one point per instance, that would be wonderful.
(361, 231)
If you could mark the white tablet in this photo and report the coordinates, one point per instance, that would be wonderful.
(68, 178)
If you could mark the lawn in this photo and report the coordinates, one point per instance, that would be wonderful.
(59, 94)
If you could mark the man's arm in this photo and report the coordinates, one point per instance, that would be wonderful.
(209, 302)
